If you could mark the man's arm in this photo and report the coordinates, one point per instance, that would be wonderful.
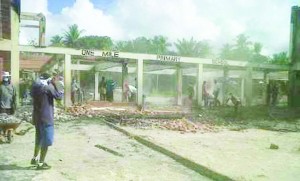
(51, 90)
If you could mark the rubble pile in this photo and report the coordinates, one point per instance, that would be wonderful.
(183, 125)
(24, 113)
(83, 110)
(61, 115)
(5, 118)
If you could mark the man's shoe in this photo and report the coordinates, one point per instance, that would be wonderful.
(34, 162)
(43, 166)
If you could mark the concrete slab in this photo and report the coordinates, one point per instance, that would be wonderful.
(241, 155)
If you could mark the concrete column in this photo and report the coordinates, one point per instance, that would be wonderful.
(78, 73)
(242, 90)
(140, 65)
(68, 80)
(199, 83)
(15, 55)
(224, 85)
(265, 88)
(42, 30)
(248, 86)
(179, 86)
(124, 80)
(96, 94)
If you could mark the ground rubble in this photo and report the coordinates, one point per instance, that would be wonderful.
(5, 118)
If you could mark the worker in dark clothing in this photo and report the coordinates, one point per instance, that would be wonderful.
(44, 92)
(7, 95)
(102, 88)
(110, 86)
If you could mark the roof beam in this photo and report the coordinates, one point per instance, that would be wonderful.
(146, 57)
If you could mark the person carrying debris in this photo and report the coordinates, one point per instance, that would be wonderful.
(132, 93)
(235, 101)
(7, 95)
(44, 91)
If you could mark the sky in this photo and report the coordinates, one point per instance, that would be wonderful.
(215, 21)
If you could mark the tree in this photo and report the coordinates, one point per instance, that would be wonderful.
(95, 42)
(125, 46)
(257, 57)
(159, 45)
(72, 35)
(280, 58)
(257, 48)
(192, 48)
(226, 51)
(56, 40)
(242, 50)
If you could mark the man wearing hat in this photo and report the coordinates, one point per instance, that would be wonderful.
(44, 91)
(7, 95)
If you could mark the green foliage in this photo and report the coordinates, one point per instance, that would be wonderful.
(193, 48)
(244, 50)
(280, 58)
(72, 35)
(156, 45)
(95, 42)
(57, 41)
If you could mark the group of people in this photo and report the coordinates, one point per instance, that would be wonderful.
(212, 100)
(106, 88)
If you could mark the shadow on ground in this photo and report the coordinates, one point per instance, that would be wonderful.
(16, 167)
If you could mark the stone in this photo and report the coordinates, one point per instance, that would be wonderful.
(274, 147)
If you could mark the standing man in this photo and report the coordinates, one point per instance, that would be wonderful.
(205, 93)
(216, 92)
(102, 88)
(7, 95)
(74, 90)
(44, 92)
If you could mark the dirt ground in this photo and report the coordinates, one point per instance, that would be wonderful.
(75, 157)
(241, 155)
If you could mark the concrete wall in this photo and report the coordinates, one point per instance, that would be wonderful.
(294, 73)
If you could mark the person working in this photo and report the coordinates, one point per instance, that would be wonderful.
(235, 101)
(7, 95)
(44, 92)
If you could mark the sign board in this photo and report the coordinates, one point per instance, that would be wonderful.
(219, 62)
(168, 58)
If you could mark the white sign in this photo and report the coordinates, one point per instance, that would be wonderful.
(168, 58)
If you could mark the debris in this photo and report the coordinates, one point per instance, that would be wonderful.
(274, 147)
(5, 118)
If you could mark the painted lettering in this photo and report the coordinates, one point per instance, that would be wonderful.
(86, 52)
(110, 54)
(219, 62)
(106, 54)
(168, 58)
(116, 54)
